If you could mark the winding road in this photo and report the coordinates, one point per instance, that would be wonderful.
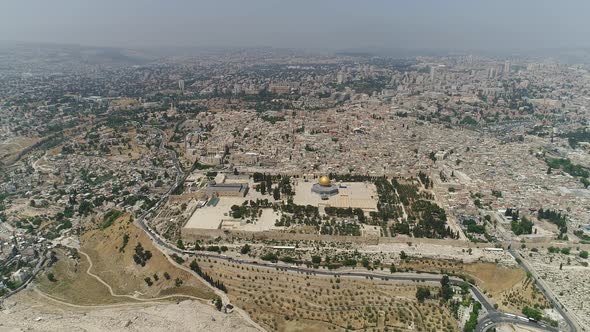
(486, 321)
(113, 294)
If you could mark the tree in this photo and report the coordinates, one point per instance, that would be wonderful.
(245, 249)
(446, 292)
(365, 263)
(464, 287)
(276, 194)
(532, 313)
(268, 182)
(422, 293)
(392, 268)
(432, 156)
(180, 244)
(51, 277)
(218, 304)
(85, 208)
(524, 226)
(316, 260)
(403, 255)
(263, 187)
(195, 266)
(584, 254)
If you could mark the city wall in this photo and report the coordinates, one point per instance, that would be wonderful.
(193, 234)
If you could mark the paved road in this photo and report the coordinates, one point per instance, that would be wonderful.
(548, 294)
(36, 270)
(492, 317)
(496, 318)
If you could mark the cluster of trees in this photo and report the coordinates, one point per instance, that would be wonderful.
(432, 220)
(340, 228)
(532, 313)
(446, 291)
(245, 249)
(85, 208)
(271, 118)
(141, 256)
(346, 212)
(471, 324)
(211, 248)
(270, 256)
(580, 233)
(177, 259)
(283, 186)
(407, 193)
(523, 226)
(554, 217)
(287, 220)
(473, 227)
(125, 241)
(245, 211)
(425, 218)
(512, 213)
(425, 179)
(568, 167)
(250, 209)
(301, 211)
(423, 293)
(575, 137)
(197, 269)
(148, 281)
(110, 217)
(351, 177)
(388, 204)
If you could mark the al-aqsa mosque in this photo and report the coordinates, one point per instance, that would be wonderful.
(325, 188)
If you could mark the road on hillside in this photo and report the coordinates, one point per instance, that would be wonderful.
(549, 295)
(489, 319)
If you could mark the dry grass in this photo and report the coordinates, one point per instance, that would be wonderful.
(283, 301)
(506, 286)
(494, 278)
(73, 285)
(525, 293)
(120, 271)
(11, 148)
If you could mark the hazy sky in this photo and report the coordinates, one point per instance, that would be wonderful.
(331, 24)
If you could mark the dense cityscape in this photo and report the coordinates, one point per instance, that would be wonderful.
(279, 189)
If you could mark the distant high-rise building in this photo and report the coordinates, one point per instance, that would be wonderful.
(432, 73)
(340, 78)
(492, 72)
(506, 67)
(181, 85)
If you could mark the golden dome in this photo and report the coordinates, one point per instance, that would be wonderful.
(324, 181)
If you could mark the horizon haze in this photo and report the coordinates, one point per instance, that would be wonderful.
(327, 25)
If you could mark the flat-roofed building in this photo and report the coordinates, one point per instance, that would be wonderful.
(227, 189)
